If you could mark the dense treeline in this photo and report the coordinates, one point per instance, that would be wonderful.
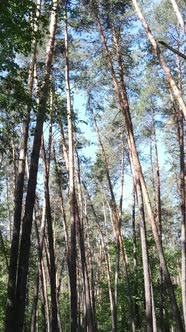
(92, 164)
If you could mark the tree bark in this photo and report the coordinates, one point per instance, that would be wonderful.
(135, 265)
(145, 259)
(14, 251)
(121, 94)
(116, 219)
(90, 326)
(176, 91)
(179, 120)
(52, 272)
(178, 15)
(64, 218)
(30, 198)
(73, 212)
(106, 255)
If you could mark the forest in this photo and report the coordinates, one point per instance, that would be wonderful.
(92, 166)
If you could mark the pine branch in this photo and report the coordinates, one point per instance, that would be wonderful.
(172, 49)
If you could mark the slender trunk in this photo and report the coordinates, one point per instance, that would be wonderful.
(40, 235)
(14, 176)
(92, 283)
(158, 182)
(30, 198)
(178, 15)
(10, 308)
(121, 240)
(176, 91)
(64, 218)
(92, 289)
(154, 320)
(39, 276)
(121, 93)
(35, 302)
(183, 210)
(158, 213)
(122, 175)
(43, 277)
(86, 282)
(73, 250)
(181, 187)
(63, 141)
(40, 240)
(135, 270)
(145, 259)
(116, 219)
(181, 140)
(182, 192)
(111, 295)
(8, 208)
(52, 272)
(116, 279)
(106, 255)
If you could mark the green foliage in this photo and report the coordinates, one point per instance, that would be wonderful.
(15, 31)
(3, 288)
(65, 311)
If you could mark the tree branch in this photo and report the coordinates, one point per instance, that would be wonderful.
(172, 49)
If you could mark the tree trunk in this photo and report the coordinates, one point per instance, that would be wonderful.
(183, 211)
(158, 212)
(181, 140)
(39, 277)
(179, 16)
(73, 249)
(121, 93)
(176, 91)
(86, 282)
(30, 198)
(116, 219)
(10, 308)
(178, 116)
(135, 269)
(145, 259)
(106, 255)
(111, 295)
(8, 210)
(52, 272)
(35, 303)
(64, 218)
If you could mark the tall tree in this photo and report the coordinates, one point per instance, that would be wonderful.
(120, 89)
(72, 193)
(20, 185)
(176, 91)
(30, 198)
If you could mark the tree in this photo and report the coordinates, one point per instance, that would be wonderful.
(19, 306)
